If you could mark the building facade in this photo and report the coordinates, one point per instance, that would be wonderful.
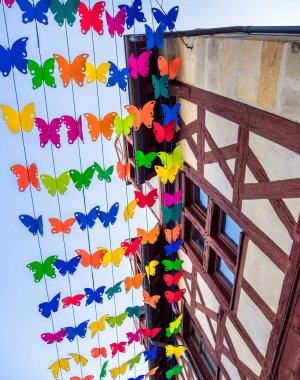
(239, 127)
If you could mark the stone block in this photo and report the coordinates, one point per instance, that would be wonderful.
(292, 62)
(247, 87)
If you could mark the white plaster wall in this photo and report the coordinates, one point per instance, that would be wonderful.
(187, 267)
(262, 214)
(230, 368)
(188, 155)
(201, 317)
(263, 275)
(214, 174)
(242, 350)
(254, 322)
(223, 131)
(188, 111)
(208, 296)
(249, 177)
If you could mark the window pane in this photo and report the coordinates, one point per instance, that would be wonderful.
(195, 337)
(198, 239)
(231, 230)
(201, 198)
(208, 360)
(225, 272)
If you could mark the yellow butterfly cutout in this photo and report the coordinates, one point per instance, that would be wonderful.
(79, 359)
(114, 257)
(174, 350)
(175, 324)
(15, 120)
(148, 237)
(166, 175)
(170, 159)
(129, 210)
(98, 325)
(99, 73)
(63, 364)
(118, 370)
(151, 268)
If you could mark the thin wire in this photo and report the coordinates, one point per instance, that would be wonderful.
(84, 199)
(57, 194)
(31, 194)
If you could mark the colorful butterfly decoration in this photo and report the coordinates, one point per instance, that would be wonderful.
(14, 57)
(26, 176)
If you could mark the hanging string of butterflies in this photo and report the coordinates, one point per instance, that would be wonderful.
(81, 71)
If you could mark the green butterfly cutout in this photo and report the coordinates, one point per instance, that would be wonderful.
(104, 174)
(124, 125)
(142, 159)
(113, 290)
(118, 320)
(170, 265)
(45, 268)
(134, 311)
(161, 86)
(84, 179)
(66, 11)
(171, 159)
(132, 362)
(42, 73)
(172, 213)
(59, 184)
(175, 326)
(175, 371)
(103, 369)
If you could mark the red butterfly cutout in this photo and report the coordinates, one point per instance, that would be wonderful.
(59, 226)
(117, 347)
(164, 133)
(75, 300)
(146, 200)
(174, 296)
(173, 280)
(88, 377)
(26, 176)
(150, 333)
(131, 247)
(96, 352)
(50, 338)
(134, 337)
(91, 17)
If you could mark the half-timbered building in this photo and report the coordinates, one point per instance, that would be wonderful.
(239, 127)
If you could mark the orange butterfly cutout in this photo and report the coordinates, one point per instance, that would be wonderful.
(169, 68)
(135, 281)
(148, 237)
(151, 372)
(144, 115)
(59, 226)
(104, 126)
(94, 259)
(96, 352)
(74, 70)
(26, 176)
(152, 301)
(173, 235)
(123, 170)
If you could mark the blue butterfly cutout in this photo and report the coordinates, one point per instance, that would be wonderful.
(141, 377)
(80, 331)
(34, 12)
(109, 217)
(150, 354)
(119, 77)
(34, 225)
(134, 311)
(171, 113)
(172, 248)
(45, 308)
(154, 38)
(133, 12)
(94, 295)
(67, 266)
(88, 220)
(168, 19)
(14, 57)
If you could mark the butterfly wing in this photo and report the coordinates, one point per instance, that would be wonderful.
(49, 183)
(56, 225)
(73, 264)
(150, 37)
(21, 173)
(64, 69)
(33, 176)
(110, 24)
(18, 54)
(70, 10)
(74, 128)
(45, 308)
(40, 10)
(151, 268)
(173, 235)
(85, 17)
(78, 69)
(111, 216)
(171, 68)
(101, 72)
(5, 61)
(107, 125)
(96, 17)
(37, 269)
(37, 73)
(119, 22)
(171, 18)
(123, 78)
(30, 223)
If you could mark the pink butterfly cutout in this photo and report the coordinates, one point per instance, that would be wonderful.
(74, 128)
(49, 132)
(139, 65)
(172, 199)
(117, 23)
(8, 3)
(134, 337)
(50, 338)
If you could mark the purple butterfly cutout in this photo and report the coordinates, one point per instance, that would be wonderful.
(49, 132)
(74, 128)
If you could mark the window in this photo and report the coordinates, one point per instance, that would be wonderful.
(198, 240)
(225, 272)
(230, 230)
(208, 360)
(200, 198)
